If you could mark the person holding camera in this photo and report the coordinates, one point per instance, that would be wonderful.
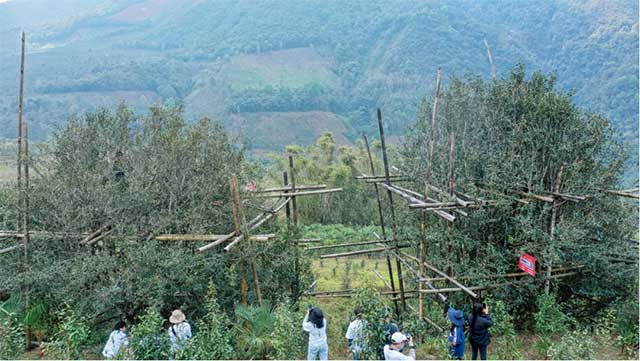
(316, 325)
(355, 335)
(479, 336)
(394, 350)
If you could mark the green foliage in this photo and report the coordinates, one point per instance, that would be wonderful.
(213, 339)
(372, 308)
(626, 327)
(549, 318)
(253, 331)
(11, 333)
(506, 344)
(574, 345)
(287, 336)
(147, 338)
(72, 333)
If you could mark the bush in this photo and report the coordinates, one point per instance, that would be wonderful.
(626, 326)
(213, 340)
(73, 332)
(549, 319)
(575, 345)
(253, 331)
(371, 307)
(11, 336)
(147, 338)
(507, 345)
(287, 335)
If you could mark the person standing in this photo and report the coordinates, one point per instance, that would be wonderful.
(316, 325)
(456, 334)
(117, 339)
(393, 351)
(179, 332)
(355, 336)
(479, 336)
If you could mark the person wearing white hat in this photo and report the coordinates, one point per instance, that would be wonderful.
(394, 350)
(179, 332)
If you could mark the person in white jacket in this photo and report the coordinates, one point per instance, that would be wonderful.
(117, 339)
(316, 325)
(179, 332)
(394, 351)
(355, 335)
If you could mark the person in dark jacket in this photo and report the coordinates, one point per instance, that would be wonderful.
(479, 337)
(456, 334)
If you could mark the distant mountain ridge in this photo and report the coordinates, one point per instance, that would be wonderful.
(249, 63)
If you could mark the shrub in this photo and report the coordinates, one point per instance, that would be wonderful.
(575, 345)
(549, 319)
(72, 334)
(253, 331)
(626, 326)
(507, 346)
(287, 335)
(147, 338)
(213, 340)
(11, 335)
(371, 307)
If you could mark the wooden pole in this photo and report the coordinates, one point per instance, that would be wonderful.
(359, 252)
(293, 190)
(20, 109)
(285, 180)
(303, 193)
(384, 234)
(427, 183)
(452, 161)
(442, 274)
(493, 68)
(394, 234)
(235, 200)
(552, 229)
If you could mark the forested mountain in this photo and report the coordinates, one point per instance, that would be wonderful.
(282, 71)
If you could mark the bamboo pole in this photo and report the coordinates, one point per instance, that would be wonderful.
(394, 235)
(235, 200)
(9, 249)
(622, 194)
(344, 245)
(285, 180)
(379, 202)
(287, 187)
(509, 283)
(378, 177)
(362, 251)
(506, 275)
(452, 162)
(442, 274)
(303, 193)
(20, 110)
(101, 236)
(552, 229)
(418, 275)
(493, 68)
(293, 190)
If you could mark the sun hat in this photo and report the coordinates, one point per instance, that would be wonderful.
(456, 316)
(177, 317)
(398, 337)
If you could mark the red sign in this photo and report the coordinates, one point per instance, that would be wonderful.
(527, 263)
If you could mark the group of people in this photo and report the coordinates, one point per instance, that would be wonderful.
(395, 341)
(179, 332)
(479, 336)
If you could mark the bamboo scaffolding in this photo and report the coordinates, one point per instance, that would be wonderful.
(435, 206)
(509, 283)
(386, 284)
(289, 188)
(9, 249)
(294, 206)
(418, 275)
(358, 252)
(622, 193)
(381, 177)
(382, 227)
(467, 290)
(207, 237)
(506, 275)
(303, 193)
(394, 233)
(552, 227)
(101, 236)
(424, 318)
(344, 245)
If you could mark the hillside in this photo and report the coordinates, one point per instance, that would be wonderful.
(229, 60)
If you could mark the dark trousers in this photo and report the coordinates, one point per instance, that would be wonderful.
(474, 353)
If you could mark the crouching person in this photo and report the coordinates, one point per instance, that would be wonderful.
(394, 350)
(117, 339)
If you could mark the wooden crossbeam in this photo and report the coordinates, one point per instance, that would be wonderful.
(623, 193)
(362, 251)
(344, 245)
(479, 288)
(9, 249)
(442, 274)
(289, 188)
(296, 194)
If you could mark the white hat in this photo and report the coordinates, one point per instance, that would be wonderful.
(398, 337)
(177, 316)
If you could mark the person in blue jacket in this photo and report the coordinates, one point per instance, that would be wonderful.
(456, 335)
(479, 336)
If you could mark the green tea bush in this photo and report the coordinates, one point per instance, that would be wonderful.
(626, 327)
(213, 340)
(11, 336)
(148, 339)
(506, 345)
(287, 335)
(574, 345)
(73, 333)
